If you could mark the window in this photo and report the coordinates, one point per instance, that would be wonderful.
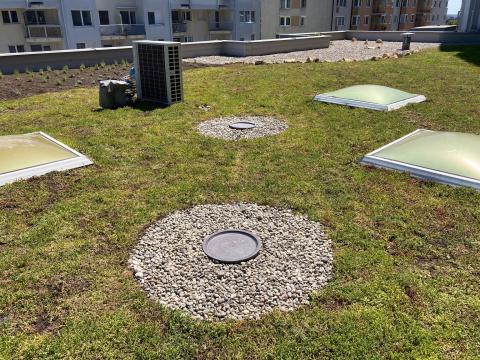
(382, 19)
(368, 3)
(397, 3)
(285, 4)
(16, 48)
(340, 20)
(188, 39)
(81, 18)
(395, 19)
(357, 3)
(187, 16)
(342, 3)
(242, 39)
(285, 21)
(403, 18)
(252, 37)
(439, 4)
(434, 4)
(355, 20)
(33, 17)
(10, 17)
(303, 4)
(247, 16)
(103, 15)
(81, 46)
(128, 17)
(302, 20)
(412, 18)
(366, 20)
(151, 18)
(35, 47)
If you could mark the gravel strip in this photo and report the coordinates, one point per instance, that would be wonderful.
(220, 128)
(339, 50)
(295, 260)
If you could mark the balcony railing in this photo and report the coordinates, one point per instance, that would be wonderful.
(43, 31)
(220, 26)
(179, 27)
(122, 30)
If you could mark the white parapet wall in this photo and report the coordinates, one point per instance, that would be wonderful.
(88, 57)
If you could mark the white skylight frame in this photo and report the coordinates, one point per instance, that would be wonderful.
(61, 165)
(419, 172)
(369, 105)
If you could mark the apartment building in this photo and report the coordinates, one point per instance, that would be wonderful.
(391, 15)
(469, 16)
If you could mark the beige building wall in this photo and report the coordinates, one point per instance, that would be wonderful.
(12, 34)
(314, 17)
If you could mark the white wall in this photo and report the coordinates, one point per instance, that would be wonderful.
(90, 35)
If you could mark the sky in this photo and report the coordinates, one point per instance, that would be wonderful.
(454, 6)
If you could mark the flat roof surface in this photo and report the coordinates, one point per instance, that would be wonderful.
(376, 97)
(27, 155)
(449, 157)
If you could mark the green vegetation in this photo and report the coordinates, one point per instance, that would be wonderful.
(407, 252)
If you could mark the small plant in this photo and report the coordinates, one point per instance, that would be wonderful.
(115, 63)
(16, 72)
(30, 77)
(49, 68)
(103, 64)
(1, 75)
(82, 67)
(44, 80)
(65, 69)
(28, 71)
(59, 82)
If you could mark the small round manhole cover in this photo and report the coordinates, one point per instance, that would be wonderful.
(242, 125)
(232, 246)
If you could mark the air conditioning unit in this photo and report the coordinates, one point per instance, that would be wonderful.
(158, 71)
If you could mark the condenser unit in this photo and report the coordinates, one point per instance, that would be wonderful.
(158, 71)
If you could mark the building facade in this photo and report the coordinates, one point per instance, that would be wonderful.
(469, 16)
(389, 15)
(44, 25)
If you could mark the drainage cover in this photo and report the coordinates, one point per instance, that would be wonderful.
(232, 246)
(242, 125)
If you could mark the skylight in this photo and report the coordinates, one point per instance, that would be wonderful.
(373, 97)
(27, 155)
(446, 157)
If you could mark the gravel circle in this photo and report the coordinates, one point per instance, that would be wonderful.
(220, 128)
(339, 50)
(295, 260)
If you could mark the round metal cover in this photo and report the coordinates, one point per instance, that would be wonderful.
(232, 246)
(242, 125)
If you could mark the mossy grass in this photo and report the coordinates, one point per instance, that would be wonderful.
(406, 252)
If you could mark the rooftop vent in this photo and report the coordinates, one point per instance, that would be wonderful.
(158, 71)
(446, 157)
(373, 97)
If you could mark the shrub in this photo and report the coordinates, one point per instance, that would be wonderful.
(82, 67)
(65, 69)
(49, 68)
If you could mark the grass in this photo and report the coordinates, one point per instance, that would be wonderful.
(406, 252)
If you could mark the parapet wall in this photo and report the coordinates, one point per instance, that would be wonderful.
(88, 57)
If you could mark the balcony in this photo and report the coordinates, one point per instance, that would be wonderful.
(122, 31)
(43, 33)
(379, 6)
(178, 28)
(202, 4)
(220, 26)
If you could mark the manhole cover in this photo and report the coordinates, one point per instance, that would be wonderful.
(242, 125)
(232, 246)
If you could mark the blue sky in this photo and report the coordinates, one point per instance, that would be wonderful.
(454, 6)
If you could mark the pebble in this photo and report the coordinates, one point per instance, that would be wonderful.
(295, 260)
(219, 128)
(337, 51)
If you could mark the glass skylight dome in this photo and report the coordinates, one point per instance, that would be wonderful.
(373, 97)
(27, 155)
(446, 157)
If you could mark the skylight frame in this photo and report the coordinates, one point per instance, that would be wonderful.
(419, 172)
(415, 99)
(79, 160)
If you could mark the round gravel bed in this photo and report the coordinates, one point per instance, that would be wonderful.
(220, 128)
(295, 260)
